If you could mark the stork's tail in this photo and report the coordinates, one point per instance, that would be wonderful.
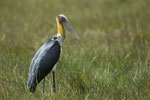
(31, 83)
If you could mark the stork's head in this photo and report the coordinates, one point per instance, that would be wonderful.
(62, 23)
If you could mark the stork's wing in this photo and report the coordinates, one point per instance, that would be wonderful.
(43, 62)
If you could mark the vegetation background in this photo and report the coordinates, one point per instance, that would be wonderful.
(110, 62)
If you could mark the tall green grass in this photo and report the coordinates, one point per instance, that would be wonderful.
(110, 62)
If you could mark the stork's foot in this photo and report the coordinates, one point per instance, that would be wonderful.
(43, 85)
(54, 86)
(54, 89)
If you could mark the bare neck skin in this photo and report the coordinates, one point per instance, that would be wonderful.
(60, 28)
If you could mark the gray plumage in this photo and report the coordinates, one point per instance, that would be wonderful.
(43, 62)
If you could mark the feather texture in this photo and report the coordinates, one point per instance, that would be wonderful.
(43, 62)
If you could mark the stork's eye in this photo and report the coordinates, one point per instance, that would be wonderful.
(63, 19)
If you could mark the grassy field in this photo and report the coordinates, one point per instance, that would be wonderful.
(110, 62)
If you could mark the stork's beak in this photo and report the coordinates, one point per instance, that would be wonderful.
(68, 26)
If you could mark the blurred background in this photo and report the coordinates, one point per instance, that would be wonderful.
(110, 62)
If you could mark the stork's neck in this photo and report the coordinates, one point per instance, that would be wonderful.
(60, 28)
(60, 38)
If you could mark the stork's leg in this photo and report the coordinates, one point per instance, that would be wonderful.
(54, 86)
(43, 85)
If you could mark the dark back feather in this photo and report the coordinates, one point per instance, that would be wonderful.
(43, 62)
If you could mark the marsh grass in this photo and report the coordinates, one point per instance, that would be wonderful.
(110, 62)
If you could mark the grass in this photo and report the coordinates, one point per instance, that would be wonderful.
(111, 62)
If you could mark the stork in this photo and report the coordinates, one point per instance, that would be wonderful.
(46, 58)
